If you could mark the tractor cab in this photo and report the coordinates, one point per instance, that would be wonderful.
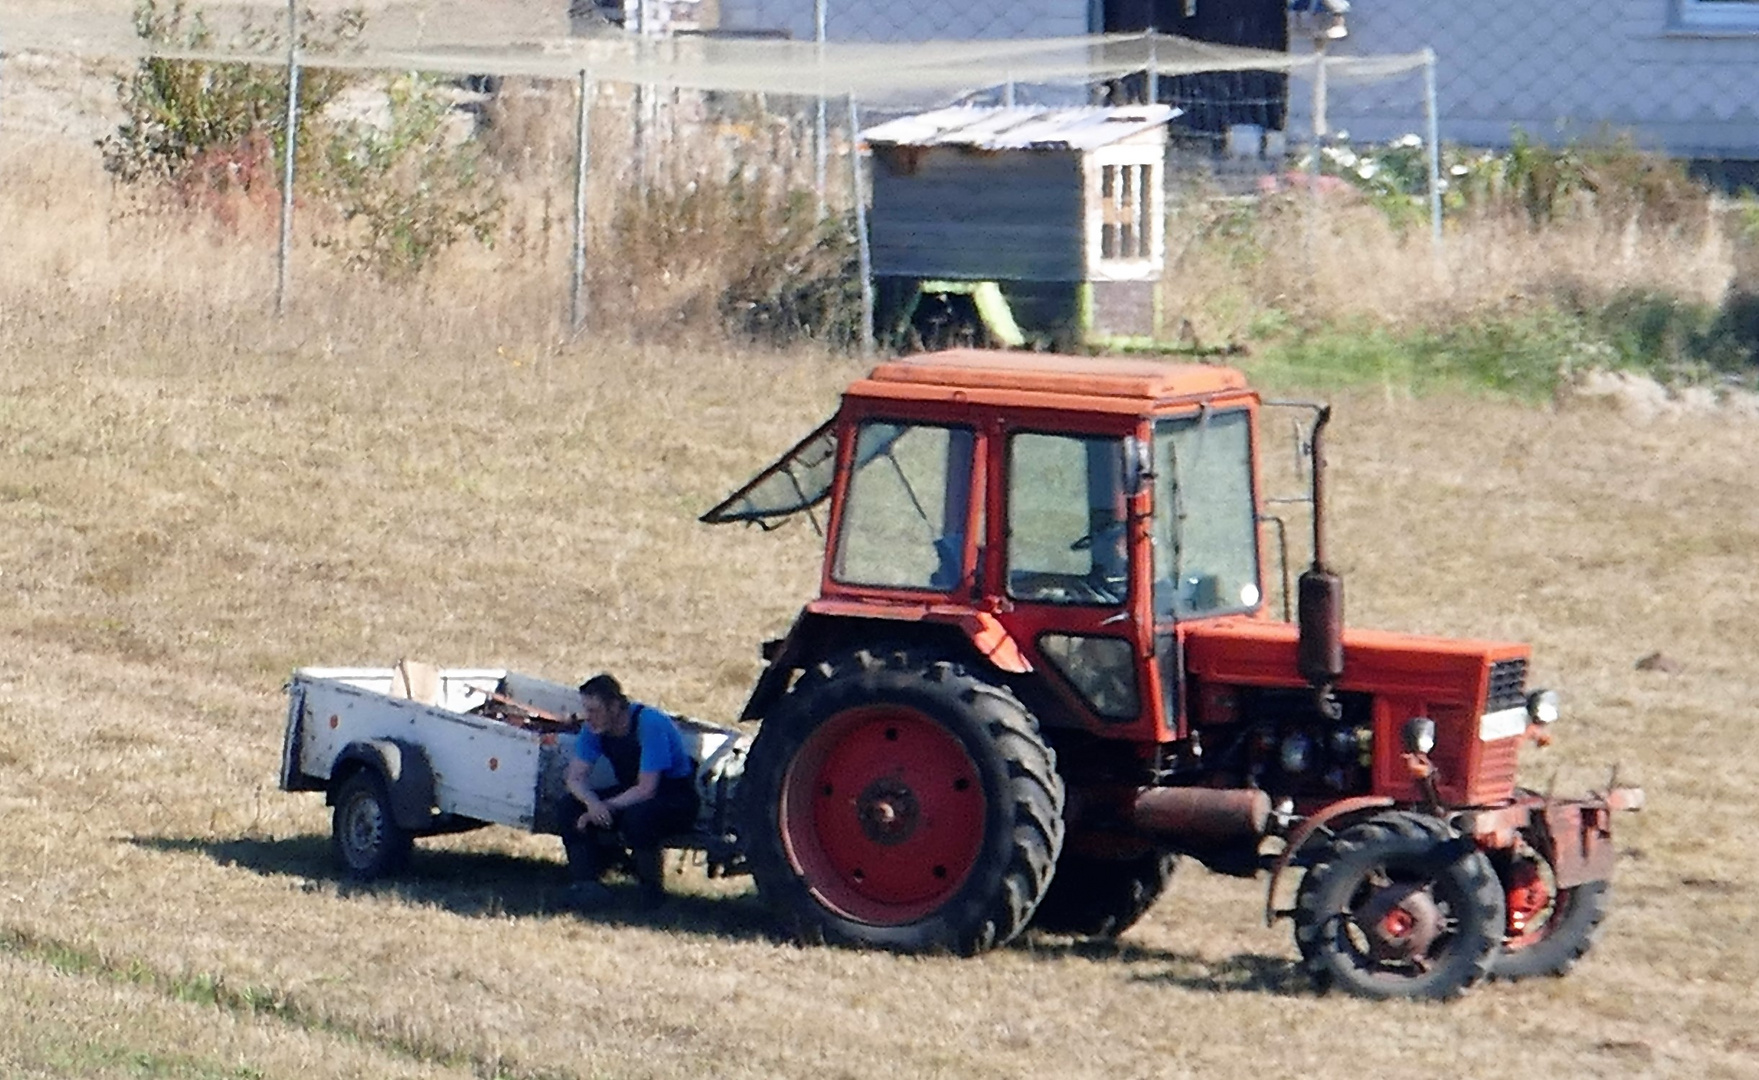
(1063, 516)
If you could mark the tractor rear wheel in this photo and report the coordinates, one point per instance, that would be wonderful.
(1401, 906)
(1094, 897)
(1548, 929)
(897, 801)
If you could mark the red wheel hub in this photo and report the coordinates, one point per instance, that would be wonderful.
(883, 814)
(1528, 899)
(1402, 922)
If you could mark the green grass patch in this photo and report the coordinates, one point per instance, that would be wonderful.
(1521, 357)
(1682, 341)
(204, 988)
(151, 1066)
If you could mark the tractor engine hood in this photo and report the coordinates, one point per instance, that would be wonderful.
(1253, 651)
(1474, 691)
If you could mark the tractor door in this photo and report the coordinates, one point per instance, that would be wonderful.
(1207, 555)
(1071, 519)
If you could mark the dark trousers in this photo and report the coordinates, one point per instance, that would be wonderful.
(636, 829)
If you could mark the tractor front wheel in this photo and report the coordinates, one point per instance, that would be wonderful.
(1400, 906)
(1548, 929)
(897, 801)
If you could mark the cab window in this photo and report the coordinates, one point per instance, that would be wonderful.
(1066, 520)
(907, 507)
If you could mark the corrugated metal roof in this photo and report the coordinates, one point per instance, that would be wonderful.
(1020, 127)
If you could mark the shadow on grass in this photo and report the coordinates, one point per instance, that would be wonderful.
(497, 885)
(1245, 973)
(475, 884)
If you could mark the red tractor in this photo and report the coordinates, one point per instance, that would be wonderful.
(1043, 665)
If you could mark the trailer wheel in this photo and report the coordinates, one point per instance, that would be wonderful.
(1399, 907)
(365, 840)
(1090, 897)
(1547, 928)
(901, 802)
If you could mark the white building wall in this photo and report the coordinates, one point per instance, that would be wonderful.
(1556, 70)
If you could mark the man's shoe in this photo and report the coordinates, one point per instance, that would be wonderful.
(588, 895)
(650, 875)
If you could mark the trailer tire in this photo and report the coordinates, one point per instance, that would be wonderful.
(365, 840)
(896, 800)
(1400, 906)
(1102, 898)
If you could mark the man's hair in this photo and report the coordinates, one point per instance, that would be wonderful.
(603, 688)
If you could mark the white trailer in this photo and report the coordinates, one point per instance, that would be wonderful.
(415, 750)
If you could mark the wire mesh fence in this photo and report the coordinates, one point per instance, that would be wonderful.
(623, 115)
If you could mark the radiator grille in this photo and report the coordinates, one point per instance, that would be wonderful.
(1508, 685)
(1495, 780)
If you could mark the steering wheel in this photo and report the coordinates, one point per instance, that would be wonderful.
(1086, 541)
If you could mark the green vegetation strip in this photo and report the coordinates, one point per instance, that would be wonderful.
(203, 988)
(143, 1064)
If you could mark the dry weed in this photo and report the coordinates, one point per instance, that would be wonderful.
(1339, 260)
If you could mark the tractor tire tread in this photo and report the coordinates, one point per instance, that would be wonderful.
(1481, 889)
(1032, 788)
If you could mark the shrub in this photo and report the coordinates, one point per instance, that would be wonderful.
(205, 127)
(1609, 176)
(411, 187)
(744, 250)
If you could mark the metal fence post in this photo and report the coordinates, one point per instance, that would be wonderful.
(292, 152)
(2, 64)
(1153, 74)
(861, 246)
(1432, 135)
(1311, 239)
(821, 128)
(583, 136)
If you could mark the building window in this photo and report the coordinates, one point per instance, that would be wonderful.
(1718, 14)
(1124, 231)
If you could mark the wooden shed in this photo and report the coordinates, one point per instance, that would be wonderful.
(1047, 225)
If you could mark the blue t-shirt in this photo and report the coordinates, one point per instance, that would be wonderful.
(662, 747)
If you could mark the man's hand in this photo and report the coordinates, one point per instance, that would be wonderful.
(597, 814)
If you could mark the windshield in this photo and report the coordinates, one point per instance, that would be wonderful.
(1205, 516)
(800, 480)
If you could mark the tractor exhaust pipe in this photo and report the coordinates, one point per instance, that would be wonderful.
(1201, 819)
(1319, 650)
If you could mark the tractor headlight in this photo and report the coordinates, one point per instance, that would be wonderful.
(1419, 735)
(1542, 706)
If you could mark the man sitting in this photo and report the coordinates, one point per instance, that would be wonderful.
(655, 792)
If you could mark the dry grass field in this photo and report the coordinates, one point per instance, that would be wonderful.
(194, 500)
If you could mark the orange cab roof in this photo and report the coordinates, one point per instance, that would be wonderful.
(1140, 379)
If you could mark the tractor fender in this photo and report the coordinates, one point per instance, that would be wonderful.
(403, 766)
(829, 626)
(1303, 833)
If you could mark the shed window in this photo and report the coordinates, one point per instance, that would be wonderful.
(1124, 232)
